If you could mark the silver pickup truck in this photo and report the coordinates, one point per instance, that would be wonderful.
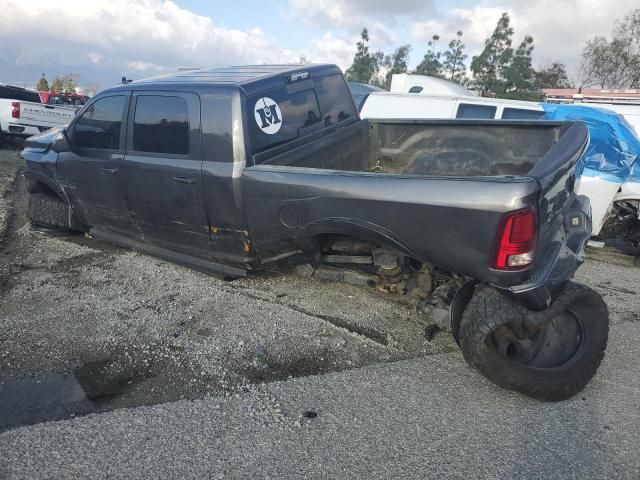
(239, 169)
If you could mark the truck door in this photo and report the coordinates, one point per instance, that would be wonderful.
(163, 170)
(91, 170)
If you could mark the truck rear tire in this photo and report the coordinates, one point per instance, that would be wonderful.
(50, 212)
(549, 355)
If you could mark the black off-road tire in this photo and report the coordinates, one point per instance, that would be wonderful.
(489, 309)
(50, 212)
(33, 186)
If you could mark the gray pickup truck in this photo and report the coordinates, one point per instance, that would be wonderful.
(236, 169)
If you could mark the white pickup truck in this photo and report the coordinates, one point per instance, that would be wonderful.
(22, 114)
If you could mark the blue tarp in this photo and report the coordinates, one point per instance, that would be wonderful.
(614, 150)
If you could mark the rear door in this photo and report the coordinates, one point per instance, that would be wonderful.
(91, 170)
(163, 170)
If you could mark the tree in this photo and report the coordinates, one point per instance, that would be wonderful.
(552, 76)
(366, 65)
(488, 67)
(454, 57)
(303, 60)
(615, 63)
(42, 85)
(396, 63)
(519, 74)
(92, 89)
(430, 64)
(65, 84)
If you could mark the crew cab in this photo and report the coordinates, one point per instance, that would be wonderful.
(23, 114)
(237, 169)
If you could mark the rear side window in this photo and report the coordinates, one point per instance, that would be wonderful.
(469, 110)
(521, 114)
(415, 89)
(277, 116)
(20, 94)
(335, 100)
(161, 125)
(100, 125)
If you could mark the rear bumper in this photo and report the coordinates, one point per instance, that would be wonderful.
(560, 260)
(22, 130)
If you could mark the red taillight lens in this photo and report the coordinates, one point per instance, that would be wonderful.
(15, 109)
(516, 241)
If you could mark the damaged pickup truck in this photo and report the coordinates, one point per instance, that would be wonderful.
(237, 169)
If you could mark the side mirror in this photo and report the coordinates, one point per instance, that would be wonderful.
(61, 143)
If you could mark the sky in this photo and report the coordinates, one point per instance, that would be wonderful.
(102, 40)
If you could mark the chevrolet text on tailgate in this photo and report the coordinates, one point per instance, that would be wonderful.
(236, 169)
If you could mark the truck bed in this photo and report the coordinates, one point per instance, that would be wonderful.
(433, 148)
(435, 190)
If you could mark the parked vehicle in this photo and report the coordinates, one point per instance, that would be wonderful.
(359, 92)
(22, 114)
(233, 170)
(611, 178)
(67, 99)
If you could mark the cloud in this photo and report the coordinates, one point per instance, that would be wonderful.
(355, 14)
(145, 36)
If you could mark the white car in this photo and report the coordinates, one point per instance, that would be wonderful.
(22, 114)
(615, 201)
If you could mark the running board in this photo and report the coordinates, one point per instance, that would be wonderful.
(197, 263)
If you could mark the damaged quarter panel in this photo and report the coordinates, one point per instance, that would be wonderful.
(447, 221)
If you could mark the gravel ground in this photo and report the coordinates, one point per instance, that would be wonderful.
(230, 368)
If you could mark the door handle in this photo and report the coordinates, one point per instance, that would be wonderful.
(111, 171)
(188, 181)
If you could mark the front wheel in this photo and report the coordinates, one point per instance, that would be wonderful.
(50, 212)
(549, 355)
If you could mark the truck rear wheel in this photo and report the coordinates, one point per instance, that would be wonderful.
(50, 212)
(548, 355)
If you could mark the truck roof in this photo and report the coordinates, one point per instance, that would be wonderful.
(251, 78)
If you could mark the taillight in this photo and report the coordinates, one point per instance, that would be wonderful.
(15, 109)
(516, 240)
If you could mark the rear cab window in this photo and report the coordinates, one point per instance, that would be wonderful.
(298, 109)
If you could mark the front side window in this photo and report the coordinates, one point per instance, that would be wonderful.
(470, 110)
(100, 125)
(161, 125)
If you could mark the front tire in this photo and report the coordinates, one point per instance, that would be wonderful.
(548, 355)
(50, 212)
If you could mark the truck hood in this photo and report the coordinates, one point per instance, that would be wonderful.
(42, 141)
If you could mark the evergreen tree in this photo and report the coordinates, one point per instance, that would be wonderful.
(488, 67)
(42, 85)
(430, 64)
(519, 74)
(552, 76)
(454, 58)
(396, 62)
(366, 65)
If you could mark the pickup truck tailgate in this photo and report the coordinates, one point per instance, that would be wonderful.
(41, 115)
